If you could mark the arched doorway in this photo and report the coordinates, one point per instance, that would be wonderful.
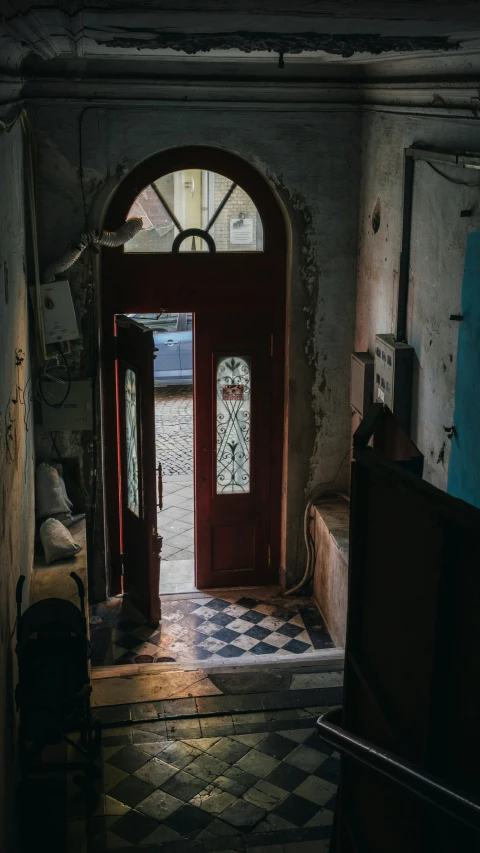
(237, 299)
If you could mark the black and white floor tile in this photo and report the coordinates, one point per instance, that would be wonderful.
(204, 627)
(189, 794)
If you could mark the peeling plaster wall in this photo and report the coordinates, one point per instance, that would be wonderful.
(439, 236)
(17, 523)
(312, 159)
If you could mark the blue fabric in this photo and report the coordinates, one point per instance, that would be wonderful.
(464, 468)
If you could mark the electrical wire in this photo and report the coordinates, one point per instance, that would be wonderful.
(31, 172)
(304, 516)
(43, 374)
(54, 444)
(91, 527)
(448, 178)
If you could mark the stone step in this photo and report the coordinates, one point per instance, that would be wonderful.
(298, 696)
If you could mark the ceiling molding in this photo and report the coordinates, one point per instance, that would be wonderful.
(215, 95)
(116, 90)
(29, 30)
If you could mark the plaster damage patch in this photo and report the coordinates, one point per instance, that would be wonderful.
(281, 43)
(310, 274)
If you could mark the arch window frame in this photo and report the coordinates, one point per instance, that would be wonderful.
(209, 214)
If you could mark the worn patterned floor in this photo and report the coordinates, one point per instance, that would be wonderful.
(200, 785)
(175, 524)
(206, 627)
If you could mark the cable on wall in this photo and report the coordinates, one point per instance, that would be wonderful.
(448, 178)
(31, 173)
(45, 375)
(311, 498)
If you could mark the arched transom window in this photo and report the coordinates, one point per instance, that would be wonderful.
(196, 211)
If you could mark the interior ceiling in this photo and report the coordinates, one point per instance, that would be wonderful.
(218, 38)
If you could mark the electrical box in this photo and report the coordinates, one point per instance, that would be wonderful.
(393, 377)
(75, 413)
(361, 386)
(59, 320)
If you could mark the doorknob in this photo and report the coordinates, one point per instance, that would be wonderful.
(157, 545)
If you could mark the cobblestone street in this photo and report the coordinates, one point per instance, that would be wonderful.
(174, 429)
(174, 448)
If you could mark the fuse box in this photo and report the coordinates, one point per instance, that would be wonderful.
(393, 377)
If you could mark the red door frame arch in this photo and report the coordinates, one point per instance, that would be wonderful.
(138, 283)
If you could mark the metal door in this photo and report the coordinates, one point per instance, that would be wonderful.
(140, 545)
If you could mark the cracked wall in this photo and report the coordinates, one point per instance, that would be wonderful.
(439, 239)
(312, 160)
(17, 522)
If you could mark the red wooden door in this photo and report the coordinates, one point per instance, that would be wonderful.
(233, 459)
(196, 282)
(140, 545)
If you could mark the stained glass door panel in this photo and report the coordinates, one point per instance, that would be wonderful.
(140, 546)
(233, 457)
(232, 425)
(131, 441)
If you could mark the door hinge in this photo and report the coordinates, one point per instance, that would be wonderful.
(122, 564)
(269, 555)
(271, 345)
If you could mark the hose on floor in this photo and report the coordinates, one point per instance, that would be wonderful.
(309, 543)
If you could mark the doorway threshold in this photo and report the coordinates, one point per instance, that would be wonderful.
(254, 663)
(315, 679)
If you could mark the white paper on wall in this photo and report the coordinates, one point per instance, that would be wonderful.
(241, 231)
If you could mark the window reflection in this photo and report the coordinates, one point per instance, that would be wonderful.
(194, 198)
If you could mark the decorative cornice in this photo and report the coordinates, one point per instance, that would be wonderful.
(449, 97)
(30, 30)
(10, 89)
(291, 43)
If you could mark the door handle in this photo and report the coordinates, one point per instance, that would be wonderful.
(157, 545)
(160, 486)
(171, 343)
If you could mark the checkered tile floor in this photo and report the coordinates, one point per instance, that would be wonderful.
(279, 786)
(205, 627)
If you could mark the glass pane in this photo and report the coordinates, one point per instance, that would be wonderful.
(190, 199)
(233, 425)
(133, 501)
(164, 322)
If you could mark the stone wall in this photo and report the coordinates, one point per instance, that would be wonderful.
(16, 455)
(330, 531)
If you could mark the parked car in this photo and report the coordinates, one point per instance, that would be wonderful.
(172, 334)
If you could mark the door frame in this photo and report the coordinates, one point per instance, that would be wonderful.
(157, 272)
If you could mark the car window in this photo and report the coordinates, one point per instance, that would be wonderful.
(166, 322)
